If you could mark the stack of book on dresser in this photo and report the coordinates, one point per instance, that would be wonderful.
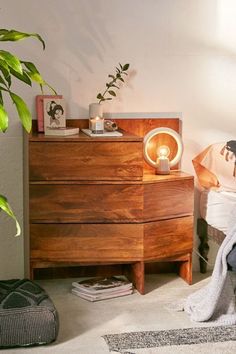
(95, 289)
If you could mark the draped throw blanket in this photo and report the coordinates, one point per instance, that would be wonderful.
(216, 301)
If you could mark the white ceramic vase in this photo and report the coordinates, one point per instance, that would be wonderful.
(95, 110)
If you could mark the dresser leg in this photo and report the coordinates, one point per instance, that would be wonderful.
(31, 272)
(185, 269)
(138, 270)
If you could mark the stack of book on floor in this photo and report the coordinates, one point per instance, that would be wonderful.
(95, 289)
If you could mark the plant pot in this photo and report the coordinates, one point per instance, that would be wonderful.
(95, 110)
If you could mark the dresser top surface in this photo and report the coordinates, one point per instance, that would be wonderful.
(174, 175)
(82, 137)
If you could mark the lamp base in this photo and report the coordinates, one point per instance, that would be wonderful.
(158, 172)
(163, 166)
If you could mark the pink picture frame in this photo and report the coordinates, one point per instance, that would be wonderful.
(40, 109)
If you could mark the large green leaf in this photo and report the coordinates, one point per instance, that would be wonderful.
(3, 31)
(6, 71)
(3, 119)
(2, 81)
(13, 35)
(11, 61)
(23, 111)
(7, 209)
(33, 72)
(36, 77)
(23, 77)
(30, 66)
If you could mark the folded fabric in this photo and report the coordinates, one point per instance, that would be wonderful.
(215, 166)
(215, 302)
(231, 259)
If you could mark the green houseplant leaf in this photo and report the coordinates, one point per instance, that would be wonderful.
(11, 60)
(23, 77)
(11, 67)
(13, 35)
(6, 207)
(23, 111)
(3, 119)
(5, 71)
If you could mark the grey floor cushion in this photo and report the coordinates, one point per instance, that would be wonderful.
(27, 314)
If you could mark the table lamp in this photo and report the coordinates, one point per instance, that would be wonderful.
(162, 163)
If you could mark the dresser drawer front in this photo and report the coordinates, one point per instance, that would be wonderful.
(80, 160)
(85, 203)
(168, 200)
(166, 238)
(92, 243)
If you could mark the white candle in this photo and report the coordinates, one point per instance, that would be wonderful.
(96, 125)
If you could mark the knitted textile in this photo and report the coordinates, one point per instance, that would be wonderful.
(27, 314)
(216, 301)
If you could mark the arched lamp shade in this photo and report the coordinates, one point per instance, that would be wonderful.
(162, 164)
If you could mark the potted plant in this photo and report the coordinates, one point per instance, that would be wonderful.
(12, 67)
(95, 109)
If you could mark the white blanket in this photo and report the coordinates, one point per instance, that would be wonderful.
(216, 301)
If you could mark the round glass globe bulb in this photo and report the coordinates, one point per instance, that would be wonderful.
(163, 151)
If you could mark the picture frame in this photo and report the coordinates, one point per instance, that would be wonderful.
(40, 110)
(54, 111)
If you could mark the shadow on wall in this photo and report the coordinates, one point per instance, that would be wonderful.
(82, 31)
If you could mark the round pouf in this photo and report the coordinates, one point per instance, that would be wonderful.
(27, 314)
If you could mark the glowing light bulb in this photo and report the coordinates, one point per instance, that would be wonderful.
(163, 163)
(163, 151)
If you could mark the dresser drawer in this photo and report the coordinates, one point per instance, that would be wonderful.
(85, 203)
(92, 243)
(166, 238)
(168, 200)
(85, 160)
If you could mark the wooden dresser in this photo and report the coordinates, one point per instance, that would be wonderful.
(91, 201)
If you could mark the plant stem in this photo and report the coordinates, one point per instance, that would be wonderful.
(110, 83)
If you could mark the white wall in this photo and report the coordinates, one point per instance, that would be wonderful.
(182, 58)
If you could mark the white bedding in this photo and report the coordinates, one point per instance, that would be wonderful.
(216, 208)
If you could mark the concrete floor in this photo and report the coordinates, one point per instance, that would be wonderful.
(82, 323)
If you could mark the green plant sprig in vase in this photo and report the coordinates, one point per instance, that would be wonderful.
(96, 120)
(121, 71)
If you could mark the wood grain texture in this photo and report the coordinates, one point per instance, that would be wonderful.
(168, 199)
(133, 126)
(138, 271)
(185, 269)
(90, 203)
(86, 243)
(85, 161)
(166, 238)
(153, 199)
(141, 127)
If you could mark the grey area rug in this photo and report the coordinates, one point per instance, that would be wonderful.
(123, 342)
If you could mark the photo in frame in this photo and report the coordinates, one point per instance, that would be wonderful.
(40, 111)
(54, 111)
